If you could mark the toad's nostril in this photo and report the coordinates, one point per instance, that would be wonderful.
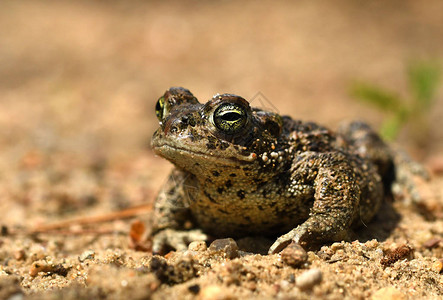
(170, 128)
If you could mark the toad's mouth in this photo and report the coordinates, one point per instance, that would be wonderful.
(173, 153)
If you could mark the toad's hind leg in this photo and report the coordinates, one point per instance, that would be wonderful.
(397, 170)
(368, 144)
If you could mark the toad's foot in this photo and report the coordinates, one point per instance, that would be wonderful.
(307, 235)
(283, 241)
(407, 175)
(176, 239)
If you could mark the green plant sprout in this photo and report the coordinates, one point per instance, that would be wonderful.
(423, 80)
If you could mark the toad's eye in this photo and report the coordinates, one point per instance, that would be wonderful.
(230, 117)
(160, 107)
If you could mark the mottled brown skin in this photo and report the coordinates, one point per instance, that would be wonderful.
(270, 175)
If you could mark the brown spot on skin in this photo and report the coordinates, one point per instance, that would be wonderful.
(259, 183)
(212, 143)
(172, 191)
(192, 122)
(223, 145)
(209, 197)
(241, 194)
(223, 211)
(210, 146)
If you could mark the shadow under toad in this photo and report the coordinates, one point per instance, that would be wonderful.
(381, 226)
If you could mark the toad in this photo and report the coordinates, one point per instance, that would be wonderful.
(242, 171)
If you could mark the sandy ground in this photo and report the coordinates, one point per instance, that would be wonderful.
(78, 83)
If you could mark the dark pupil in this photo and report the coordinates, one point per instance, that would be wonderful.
(231, 116)
(158, 106)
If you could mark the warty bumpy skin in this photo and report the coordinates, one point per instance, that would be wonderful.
(241, 171)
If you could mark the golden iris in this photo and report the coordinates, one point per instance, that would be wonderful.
(230, 117)
(159, 108)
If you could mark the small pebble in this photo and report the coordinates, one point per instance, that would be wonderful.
(17, 296)
(19, 254)
(195, 289)
(438, 266)
(372, 244)
(213, 292)
(432, 243)
(336, 246)
(309, 279)
(294, 255)
(198, 246)
(388, 293)
(227, 247)
(89, 254)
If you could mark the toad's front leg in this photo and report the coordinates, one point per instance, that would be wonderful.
(171, 212)
(336, 201)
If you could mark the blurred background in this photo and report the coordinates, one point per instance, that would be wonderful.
(79, 79)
